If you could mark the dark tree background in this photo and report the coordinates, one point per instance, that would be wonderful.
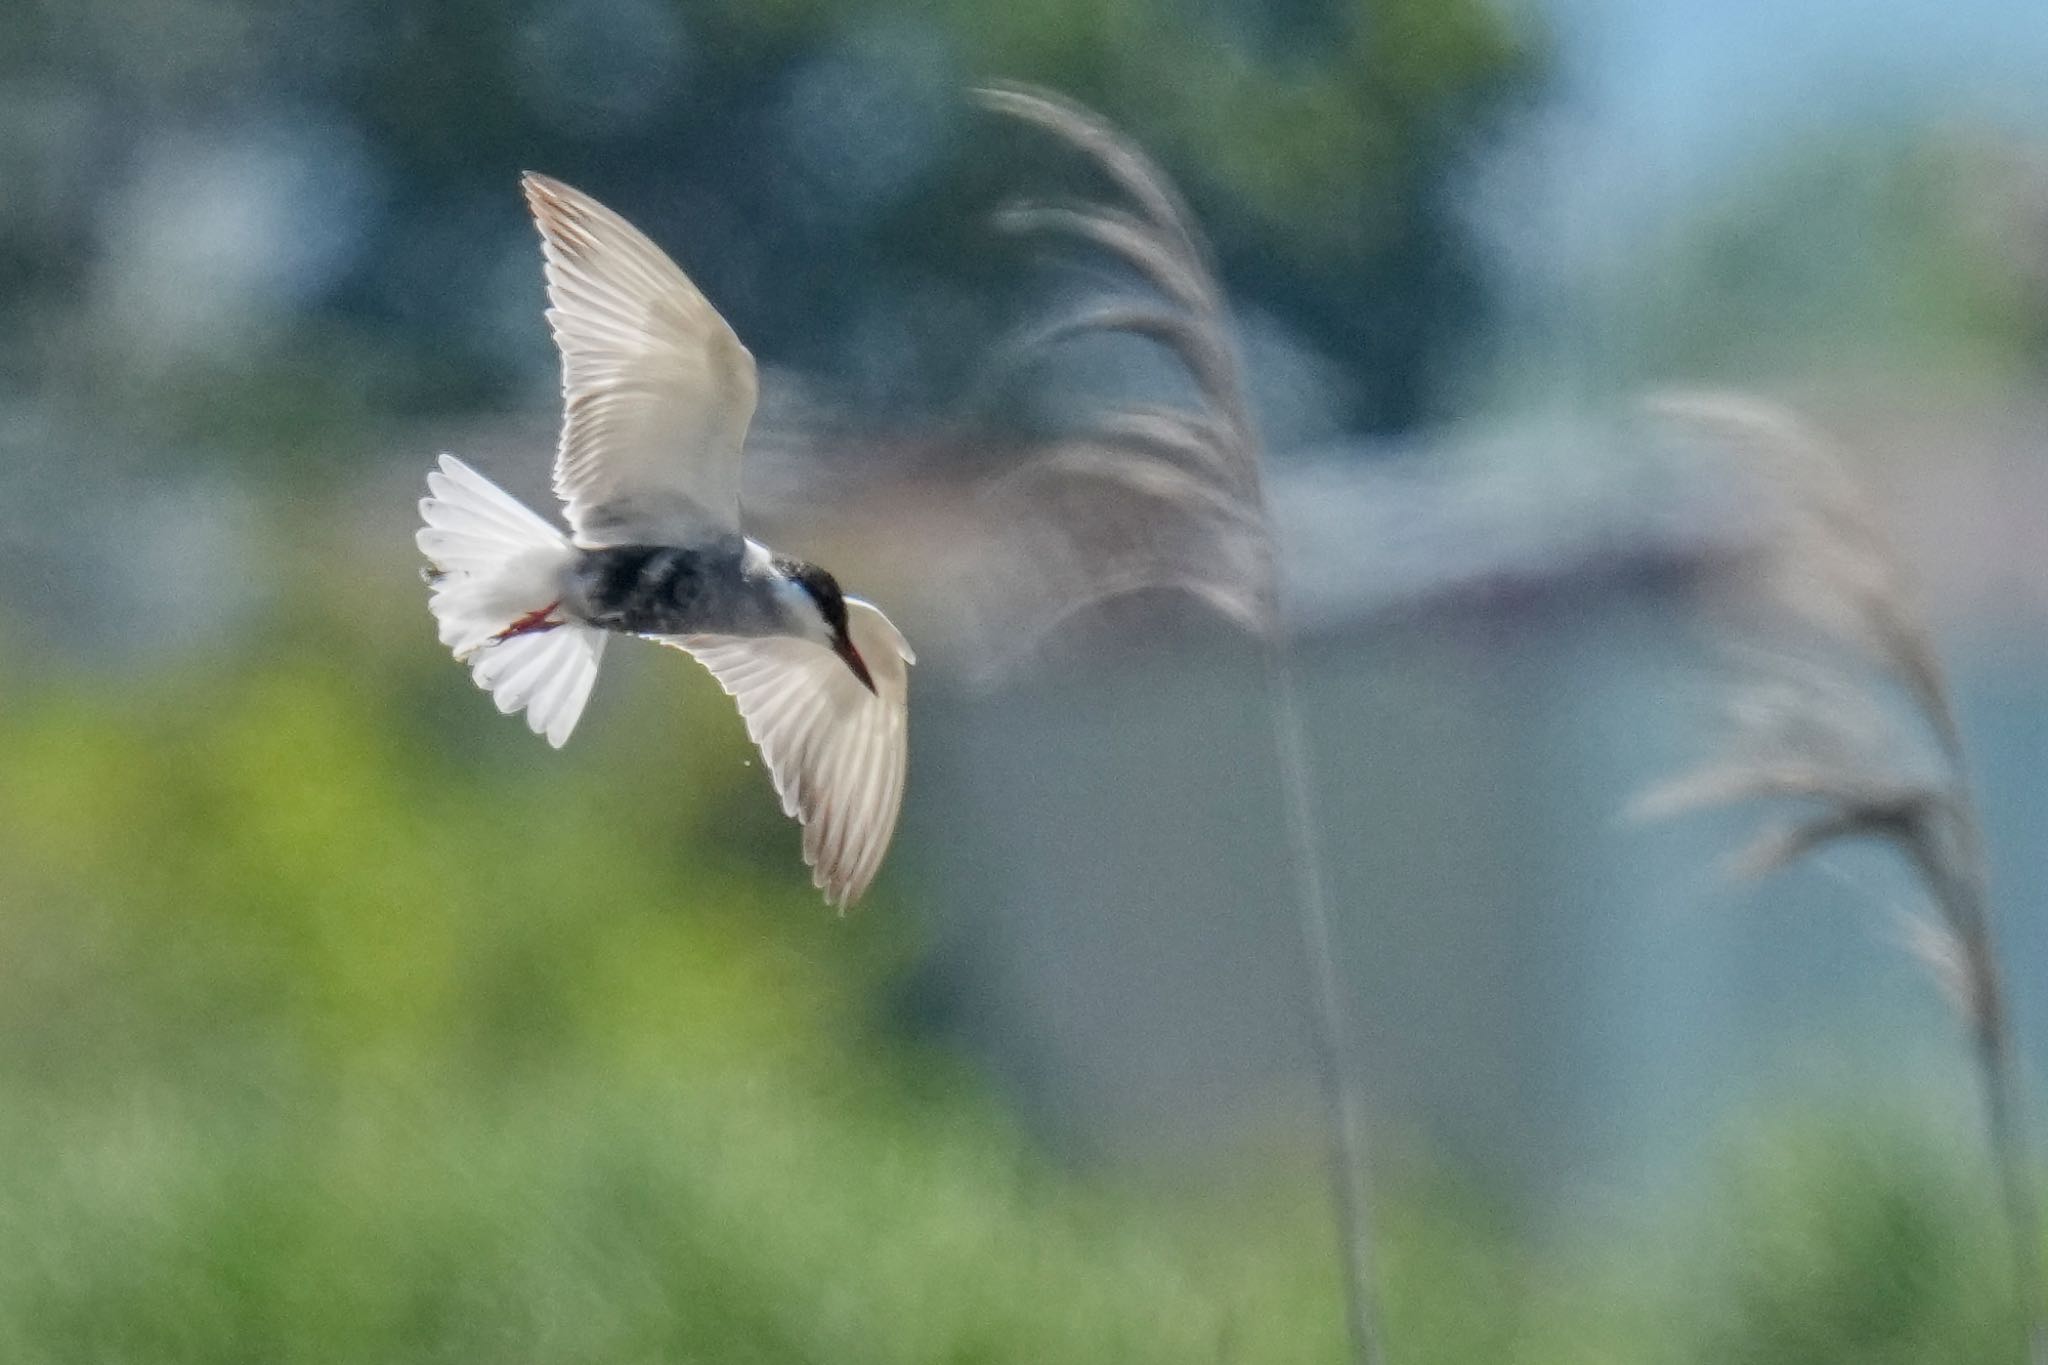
(816, 166)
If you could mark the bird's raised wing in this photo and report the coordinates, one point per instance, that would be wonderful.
(836, 750)
(657, 391)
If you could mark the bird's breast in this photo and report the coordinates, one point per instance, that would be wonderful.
(660, 589)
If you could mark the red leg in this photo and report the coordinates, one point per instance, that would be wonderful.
(531, 623)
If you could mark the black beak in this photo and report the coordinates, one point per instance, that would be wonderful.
(843, 647)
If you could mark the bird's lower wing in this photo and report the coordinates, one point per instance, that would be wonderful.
(836, 751)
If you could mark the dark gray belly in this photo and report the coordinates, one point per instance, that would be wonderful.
(662, 590)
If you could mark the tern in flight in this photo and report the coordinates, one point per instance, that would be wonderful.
(657, 394)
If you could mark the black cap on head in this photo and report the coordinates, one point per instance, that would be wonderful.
(824, 590)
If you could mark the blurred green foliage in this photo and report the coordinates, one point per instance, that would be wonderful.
(1886, 251)
(1839, 1242)
(341, 1020)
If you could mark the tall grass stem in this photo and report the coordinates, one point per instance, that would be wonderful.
(1330, 1026)
(1200, 470)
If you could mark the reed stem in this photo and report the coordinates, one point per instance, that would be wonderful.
(1330, 1023)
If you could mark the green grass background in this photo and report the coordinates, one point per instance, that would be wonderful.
(342, 1022)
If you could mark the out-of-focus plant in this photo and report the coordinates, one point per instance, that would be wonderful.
(1836, 1235)
(1817, 725)
(338, 1024)
(1880, 249)
(1175, 500)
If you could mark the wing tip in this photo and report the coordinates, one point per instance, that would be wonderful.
(841, 896)
(848, 877)
(558, 210)
(538, 187)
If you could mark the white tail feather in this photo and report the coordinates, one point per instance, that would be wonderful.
(496, 562)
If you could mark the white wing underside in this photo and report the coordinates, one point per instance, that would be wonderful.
(657, 391)
(836, 751)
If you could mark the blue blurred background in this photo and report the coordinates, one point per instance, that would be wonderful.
(342, 1020)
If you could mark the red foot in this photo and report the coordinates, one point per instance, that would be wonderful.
(529, 624)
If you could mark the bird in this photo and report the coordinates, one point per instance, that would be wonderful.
(657, 395)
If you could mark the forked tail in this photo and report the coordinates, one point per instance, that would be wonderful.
(497, 577)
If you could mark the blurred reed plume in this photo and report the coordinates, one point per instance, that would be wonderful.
(1161, 496)
(1156, 495)
(1818, 724)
